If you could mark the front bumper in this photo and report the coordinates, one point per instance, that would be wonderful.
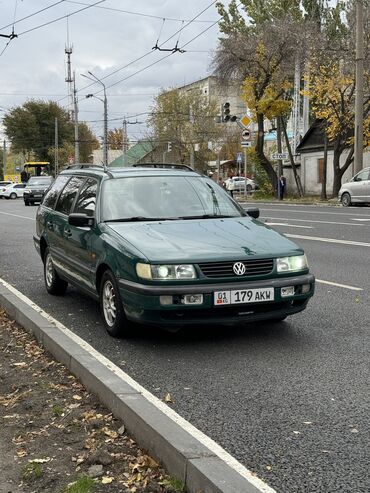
(142, 302)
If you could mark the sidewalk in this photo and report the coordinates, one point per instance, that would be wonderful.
(56, 437)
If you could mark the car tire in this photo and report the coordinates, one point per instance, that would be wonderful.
(13, 196)
(345, 199)
(249, 187)
(26, 202)
(115, 320)
(54, 284)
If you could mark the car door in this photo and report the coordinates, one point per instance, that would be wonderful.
(19, 189)
(78, 239)
(60, 230)
(359, 187)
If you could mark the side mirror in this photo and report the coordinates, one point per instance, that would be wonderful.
(80, 220)
(255, 213)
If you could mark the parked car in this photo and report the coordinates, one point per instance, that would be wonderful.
(165, 246)
(356, 191)
(240, 184)
(12, 191)
(36, 188)
(5, 183)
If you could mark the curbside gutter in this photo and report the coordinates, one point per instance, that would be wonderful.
(186, 453)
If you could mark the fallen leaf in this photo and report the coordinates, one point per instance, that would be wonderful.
(77, 397)
(168, 398)
(107, 480)
(297, 432)
(307, 422)
(269, 468)
(354, 430)
(40, 461)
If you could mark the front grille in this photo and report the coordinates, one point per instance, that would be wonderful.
(255, 267)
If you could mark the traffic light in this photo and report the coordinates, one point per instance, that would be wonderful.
(226, 112)
(226, 117)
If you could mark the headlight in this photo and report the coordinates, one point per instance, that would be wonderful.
(165, 272)
(292, 264)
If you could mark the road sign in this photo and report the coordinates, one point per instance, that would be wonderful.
(246, 143)
(246, 134)
(245, 121)
(239, 157)
(280, 155)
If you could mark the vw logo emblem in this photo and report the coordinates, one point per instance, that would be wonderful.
(239, 268)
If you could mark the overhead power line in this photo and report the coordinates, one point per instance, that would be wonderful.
(31, 15)
(141, 14)
(60, 18)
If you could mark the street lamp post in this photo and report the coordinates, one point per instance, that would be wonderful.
(105, 138)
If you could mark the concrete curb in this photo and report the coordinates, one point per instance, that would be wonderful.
(181, 453)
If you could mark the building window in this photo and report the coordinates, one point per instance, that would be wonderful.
(320, 170)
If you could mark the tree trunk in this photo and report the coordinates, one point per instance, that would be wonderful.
(325, 167)
(265, 163)
(337, 179)
(291, 157)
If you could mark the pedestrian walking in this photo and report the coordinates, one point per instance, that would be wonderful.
(230, 186)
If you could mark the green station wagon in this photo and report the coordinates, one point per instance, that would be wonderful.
(163, 245)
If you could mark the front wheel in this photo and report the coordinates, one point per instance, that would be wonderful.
(346, 199)
(114, 317)
(249, 188)
(54, 284)
(13, 196)
(26, 202)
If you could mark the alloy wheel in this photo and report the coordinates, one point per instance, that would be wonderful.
(109, 303)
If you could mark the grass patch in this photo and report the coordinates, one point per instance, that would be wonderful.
(57, 410)
(32, 472)
(174, 484)
(84, 484)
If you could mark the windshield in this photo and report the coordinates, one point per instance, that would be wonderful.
(39, 180)
(165, 197)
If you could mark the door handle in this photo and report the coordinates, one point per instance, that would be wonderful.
(50, 225)
(67, 233)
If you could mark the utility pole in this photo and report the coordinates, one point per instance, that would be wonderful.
(56, 148)
(359, 102)
(280, 150)
(4, 158)
(296, 105)
(124, 140)
(77, 138)
(191, 120)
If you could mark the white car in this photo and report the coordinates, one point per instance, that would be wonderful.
(5, 183)
(239, 184)
(12, 191)
(356, 191)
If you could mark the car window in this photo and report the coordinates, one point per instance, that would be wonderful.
(40, 180)
(19, 186)
(85, 203)
(165, 197)
(68, 195)
(52, 195)
(363, 175)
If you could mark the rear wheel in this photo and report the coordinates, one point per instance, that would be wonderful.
(346, 199)
(114, 317)
(54, 284)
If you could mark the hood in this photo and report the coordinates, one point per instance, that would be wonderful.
(197, 240)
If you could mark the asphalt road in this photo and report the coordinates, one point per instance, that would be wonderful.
(290, 401)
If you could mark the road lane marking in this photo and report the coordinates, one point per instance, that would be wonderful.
(328, 240)
(188, 427)
(17, 215)
(345, 286)
(320, 222)
(291, 225)
(355, 219)
(348, 214)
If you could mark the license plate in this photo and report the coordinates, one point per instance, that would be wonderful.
(37, 195)
(243, 296)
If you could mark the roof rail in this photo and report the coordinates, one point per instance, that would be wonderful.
(184, 167)
(83, 165)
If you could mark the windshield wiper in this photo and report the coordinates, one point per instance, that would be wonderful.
(207, 216)
(140, 218)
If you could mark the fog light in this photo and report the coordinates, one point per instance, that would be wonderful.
(287, 291)
(166, 300)
(192, 299)
(306, 288)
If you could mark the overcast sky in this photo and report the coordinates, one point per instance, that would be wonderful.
(104, 40)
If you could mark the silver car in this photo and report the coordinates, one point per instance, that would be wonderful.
(356, 191)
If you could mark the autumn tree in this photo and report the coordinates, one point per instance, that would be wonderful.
(187, 120)
(115, 139)
(259, 49)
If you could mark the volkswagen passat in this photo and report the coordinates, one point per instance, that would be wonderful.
(163, 245)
